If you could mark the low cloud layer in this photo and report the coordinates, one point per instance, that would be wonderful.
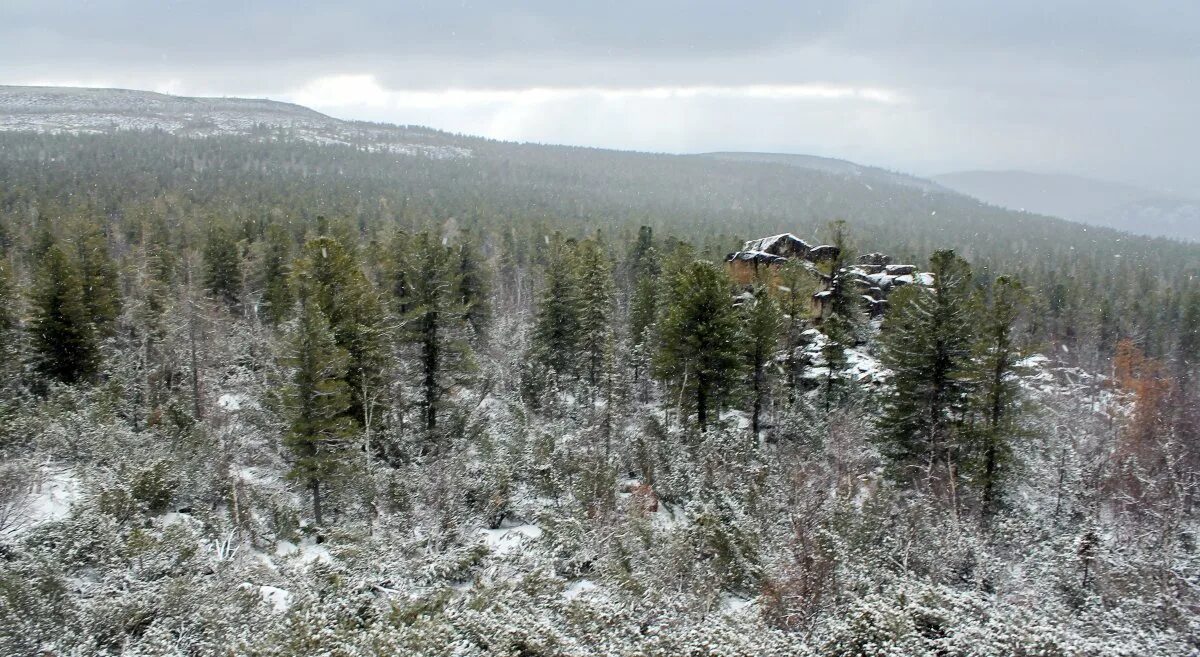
(1094, 88)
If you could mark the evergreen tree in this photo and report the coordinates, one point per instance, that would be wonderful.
(433, 317)
(843, 317)
(100, 285)
(927, 339)
(699, 348)
(222, 264)
(9, 324)
(276, 274)
(316, 402)
(643, 314)
(62, 334)
(344, 295)
(763, 322)
(473, 287)
(997, 364)
(595, 292)
(556, 329)
(643, 268)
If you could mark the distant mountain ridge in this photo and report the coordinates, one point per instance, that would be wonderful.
(71, 110)
(832, 165)
(1086, 200)
(81, 110)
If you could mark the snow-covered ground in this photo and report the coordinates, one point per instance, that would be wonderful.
(54, 491)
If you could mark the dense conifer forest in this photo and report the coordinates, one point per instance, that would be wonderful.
(263, 396)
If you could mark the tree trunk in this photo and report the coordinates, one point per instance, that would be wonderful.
(315, 486)
(431, 365)
(702, 403)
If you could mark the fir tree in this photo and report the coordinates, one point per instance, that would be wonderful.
(763, 322)
(556, 329)
(316, 402)
(843, 318)
(997, 363)
(222, 264)
(433, 317)
(473, 287)
(340, 289)
(100, 285)
(9, 324)
(699, 348)
(62, 334)
(595, 293)
(927, 339)
(276, 274)
(643, 315)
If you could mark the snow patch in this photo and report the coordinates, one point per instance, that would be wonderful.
(578, 588)
(507, 539)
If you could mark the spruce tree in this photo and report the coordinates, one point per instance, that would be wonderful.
(699, 350)
(62, 333)
(316, 402)
(98, 272)
(433, 317)
(474, 285)
(998, 356)
(843, 319)
(927, 340)
(763, 322)
(340, 289)
(643, 315)
(595, 292)
(795, 287)
(277, 296)
(9, 323)
(556, 330)
(223, 264)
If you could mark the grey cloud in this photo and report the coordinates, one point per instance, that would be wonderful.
(1102, 87)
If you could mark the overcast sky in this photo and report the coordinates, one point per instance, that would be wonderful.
(1102, 88)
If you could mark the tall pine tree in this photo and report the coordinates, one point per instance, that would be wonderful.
(927, 342)
(62, 332)
(434, 317)
(340, 289)
(315, 402)
(223, 264)
(763, 322)
(699, 350)
(998, 356)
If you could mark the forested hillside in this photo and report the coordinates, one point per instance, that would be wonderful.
(269, 396)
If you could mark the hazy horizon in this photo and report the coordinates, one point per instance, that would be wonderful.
(1078, 88)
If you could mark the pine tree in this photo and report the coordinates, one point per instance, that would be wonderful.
(316, 402)
(699, 348)
(62, 334)
(997, 363)
(643, 315)
(276, 274)
(340, 289)
(223, 264)
(9, 324)
(763, 322)
(100, 285)
(642, 268)
(433, 317)
(843, 320)
(556, 330)
(927, 339)
(473, 287)
(595, 292)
